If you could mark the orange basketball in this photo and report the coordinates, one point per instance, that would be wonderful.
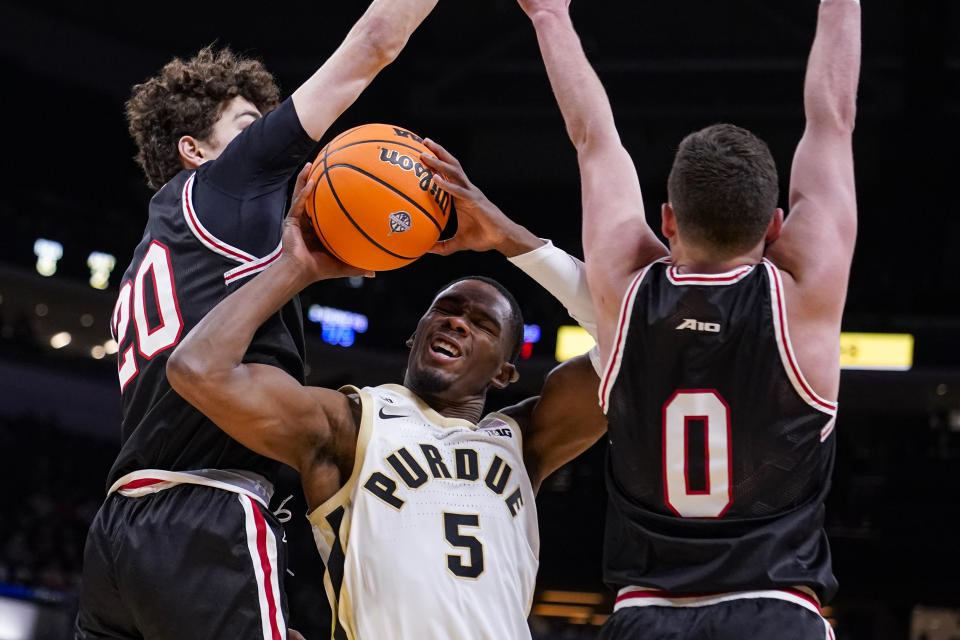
(375, 205)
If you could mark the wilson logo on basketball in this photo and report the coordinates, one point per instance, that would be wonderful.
(400, 222)
(405, 162)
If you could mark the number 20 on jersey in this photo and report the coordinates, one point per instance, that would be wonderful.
(132, 301)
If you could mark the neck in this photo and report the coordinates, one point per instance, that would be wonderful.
(694, 260)
(469, 409)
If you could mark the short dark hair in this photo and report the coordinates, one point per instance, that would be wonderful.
(516, 316)
(186, 98)
(723, 188)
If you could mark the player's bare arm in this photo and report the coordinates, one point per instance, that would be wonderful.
(563, 421)
(815, 247)
(374, 42)
(261, 406)
(617, 241)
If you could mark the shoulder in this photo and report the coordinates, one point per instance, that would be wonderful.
(520, 415)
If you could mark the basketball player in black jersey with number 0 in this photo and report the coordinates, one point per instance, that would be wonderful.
(721, 426)
(184, 545)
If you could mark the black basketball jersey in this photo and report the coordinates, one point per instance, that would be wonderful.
(208, 233)
(720, 456)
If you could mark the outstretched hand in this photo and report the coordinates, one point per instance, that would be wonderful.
(481, 225)
(301, 244)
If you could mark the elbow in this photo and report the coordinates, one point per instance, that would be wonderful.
(595, 142)
(380, 39)
(840, 118)
(579, 134)
(184, 372)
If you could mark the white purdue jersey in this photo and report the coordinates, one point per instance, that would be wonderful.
(434, 536)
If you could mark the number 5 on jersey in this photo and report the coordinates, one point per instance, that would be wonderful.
(458, 565)
(149, 340)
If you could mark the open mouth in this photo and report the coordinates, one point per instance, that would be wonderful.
(444, 349)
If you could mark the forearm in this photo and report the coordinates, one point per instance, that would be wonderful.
(219, 341)
(373, 43)
(833, 70)
(388, 24)
(564, 277)
(579, 92)
(517, 240)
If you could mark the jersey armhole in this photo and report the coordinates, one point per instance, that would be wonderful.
(248, 264)
(343, 495)
(612, 368)
(787, 357)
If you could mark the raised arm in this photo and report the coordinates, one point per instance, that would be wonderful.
(374, 42)
(261, 406)
(563, 421)
(816, 244)
(617, 241)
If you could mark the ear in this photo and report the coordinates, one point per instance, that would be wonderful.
(191, 153)
(506, 375)
(774, 228)
(668, 221)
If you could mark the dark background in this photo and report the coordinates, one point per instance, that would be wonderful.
(472, 79)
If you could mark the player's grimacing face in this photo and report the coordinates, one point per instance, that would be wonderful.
(461, 342)
(238, 113)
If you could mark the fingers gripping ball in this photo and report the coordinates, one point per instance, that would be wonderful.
(375, 205)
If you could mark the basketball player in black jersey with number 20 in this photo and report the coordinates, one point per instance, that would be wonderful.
(184, 547)
(721, 426)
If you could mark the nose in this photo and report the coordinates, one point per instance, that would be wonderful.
(458, 324)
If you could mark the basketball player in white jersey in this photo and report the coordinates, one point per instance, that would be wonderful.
(720, 462)
(422, 508)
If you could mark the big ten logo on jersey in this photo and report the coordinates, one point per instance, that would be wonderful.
(495, 427)
(152, 302)
(427, 464)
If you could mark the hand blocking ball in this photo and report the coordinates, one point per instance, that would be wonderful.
(375, 205)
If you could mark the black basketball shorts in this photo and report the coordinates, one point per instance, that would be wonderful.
(190, 562)
(735, 619)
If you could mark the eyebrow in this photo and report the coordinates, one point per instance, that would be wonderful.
(248, 112)
(460, 299)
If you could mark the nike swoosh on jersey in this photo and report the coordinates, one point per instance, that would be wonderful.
(387, 416)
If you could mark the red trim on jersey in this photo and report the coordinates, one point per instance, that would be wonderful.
(197, 226)
(261, 525)
(706, 277)
(706, 453)
(259, 265)
(621, 332)
(142, 482)
(657, 593)
(789, 351)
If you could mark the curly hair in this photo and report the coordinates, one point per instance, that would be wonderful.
(187, 98)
